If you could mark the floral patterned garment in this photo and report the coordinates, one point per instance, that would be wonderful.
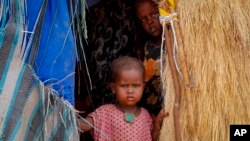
(111, 33)
(152, 92)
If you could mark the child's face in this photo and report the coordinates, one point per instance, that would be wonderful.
(128, 87)
(149, 17)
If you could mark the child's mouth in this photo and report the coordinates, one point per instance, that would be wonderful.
(153, 29)
(130, 98)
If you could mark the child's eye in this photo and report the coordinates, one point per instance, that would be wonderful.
(124, 85)
(152, 16)
(155, 15)
(136, 85)
(144, 20)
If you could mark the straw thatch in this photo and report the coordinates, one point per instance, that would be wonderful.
(216, 40)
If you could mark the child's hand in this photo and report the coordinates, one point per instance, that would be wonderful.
(157, 120)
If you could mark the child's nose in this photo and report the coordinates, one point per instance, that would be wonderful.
(150, 20)
(130, 89)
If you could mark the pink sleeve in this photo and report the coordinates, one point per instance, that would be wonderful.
(99, 117)
(96, 116)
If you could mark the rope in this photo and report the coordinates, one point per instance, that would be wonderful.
(163, 20)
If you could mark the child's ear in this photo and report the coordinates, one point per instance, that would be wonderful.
(112, 86)
(144, 85)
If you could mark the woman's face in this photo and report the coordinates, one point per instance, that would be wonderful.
(149, 17)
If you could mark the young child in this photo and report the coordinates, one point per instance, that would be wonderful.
(124, 120)
(148, 15)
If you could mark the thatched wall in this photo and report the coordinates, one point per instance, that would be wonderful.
(215, 36)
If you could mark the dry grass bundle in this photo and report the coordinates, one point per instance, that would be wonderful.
(216, 41)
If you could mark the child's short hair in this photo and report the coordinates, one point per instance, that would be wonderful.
(126, 63)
